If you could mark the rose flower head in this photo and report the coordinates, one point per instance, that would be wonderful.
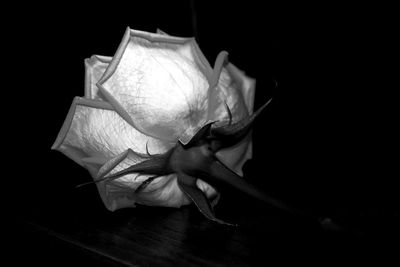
(159, 126)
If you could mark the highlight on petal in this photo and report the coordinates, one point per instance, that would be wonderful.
(95, 67)
(93, 130)
(158, 84)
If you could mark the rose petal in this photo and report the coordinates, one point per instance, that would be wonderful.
(246, 84)
(158, 84)
(93, 130)
(235, 157)
(192, 52)
(228, 93)
(248, 88)
(94, 70)
(210, 191)
(236, 91)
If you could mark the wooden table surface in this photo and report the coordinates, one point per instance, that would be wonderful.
(77, 229)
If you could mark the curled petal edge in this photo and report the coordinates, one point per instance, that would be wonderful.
(91, 89)
(67, 124)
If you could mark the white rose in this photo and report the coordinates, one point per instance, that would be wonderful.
(152, 98)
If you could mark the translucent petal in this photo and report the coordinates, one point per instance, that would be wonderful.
(93, 130)
(158, 84)
(94, 70)
(193, 52)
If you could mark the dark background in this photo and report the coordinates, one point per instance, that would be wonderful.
(325, 144)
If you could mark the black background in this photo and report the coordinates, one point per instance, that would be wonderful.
(325, 144)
